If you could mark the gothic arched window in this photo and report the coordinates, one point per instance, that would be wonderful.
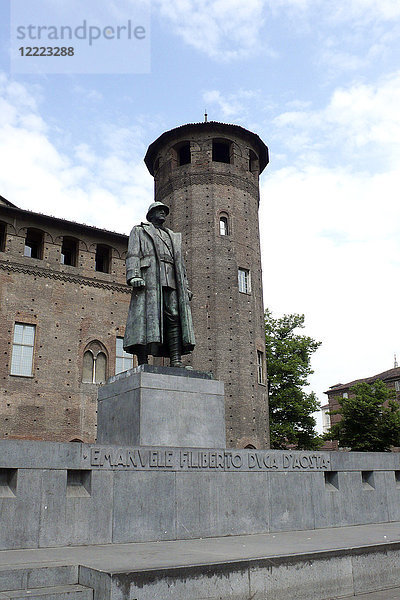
(94, 368)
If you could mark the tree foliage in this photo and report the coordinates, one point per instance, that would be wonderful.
(370, 419)
(289, 365)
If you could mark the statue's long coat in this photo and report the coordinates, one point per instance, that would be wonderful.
(145, 318)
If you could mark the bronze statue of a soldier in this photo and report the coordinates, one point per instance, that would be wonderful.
(159, 319)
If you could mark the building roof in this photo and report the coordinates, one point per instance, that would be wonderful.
(6, 202)
(214, 127)
(390, 375)
(63, 223)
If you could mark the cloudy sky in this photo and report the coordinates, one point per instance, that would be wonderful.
(318, 80)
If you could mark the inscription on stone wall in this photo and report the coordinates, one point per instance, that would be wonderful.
(176, 459)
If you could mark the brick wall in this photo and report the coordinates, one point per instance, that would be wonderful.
(71, 307)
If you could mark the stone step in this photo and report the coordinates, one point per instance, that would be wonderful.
(31, 576)
(391, 594)
(59, 592)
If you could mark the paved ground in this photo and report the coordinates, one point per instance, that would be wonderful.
(155, 555)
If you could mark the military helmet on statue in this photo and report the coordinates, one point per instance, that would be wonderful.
(156, 205)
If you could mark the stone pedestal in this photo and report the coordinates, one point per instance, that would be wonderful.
(160, 406)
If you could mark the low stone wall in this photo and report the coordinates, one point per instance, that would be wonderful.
(314, 576)
(69, 494)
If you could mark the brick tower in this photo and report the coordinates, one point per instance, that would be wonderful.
(207, 173)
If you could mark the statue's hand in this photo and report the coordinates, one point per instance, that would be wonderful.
(190, 294)
(137, 282)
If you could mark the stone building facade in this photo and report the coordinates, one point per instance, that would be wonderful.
(64, 299)
(343, 390)
(339, 391)
(63, 305)
(208, 174)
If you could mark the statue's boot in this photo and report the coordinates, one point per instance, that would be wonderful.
(174, 346)
(142, 357)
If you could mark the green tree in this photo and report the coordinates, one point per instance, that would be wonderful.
(289, 365)
(370, 419)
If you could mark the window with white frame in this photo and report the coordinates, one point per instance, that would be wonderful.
(397, 385)
(124, 360)
(223, 225)
(244, 281)
(260, 367)
(326, 419)
(22, 350)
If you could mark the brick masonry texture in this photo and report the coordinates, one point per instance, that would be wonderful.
(71, 307)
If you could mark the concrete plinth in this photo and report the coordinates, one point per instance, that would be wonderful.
(160, 406)
(55, 494)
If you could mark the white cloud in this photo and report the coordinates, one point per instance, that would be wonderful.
(91, 94)
(330, 222)
(351, 34)
(348, 34)
(223, 29)
(105, 185)
(331, 247)
(340, 61)
(330, 225)
(230, 106)
(360, 123)
(341, 10)
(365, 10)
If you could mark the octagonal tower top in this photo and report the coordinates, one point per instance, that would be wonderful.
(211, 127)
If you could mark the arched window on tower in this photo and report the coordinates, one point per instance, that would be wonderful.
(69, 251)
(254, 164)
(103, 258)
(34, 243)
(224, 228)
(3, 235)
(94, 368)
(182, 154)
(222, 151)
